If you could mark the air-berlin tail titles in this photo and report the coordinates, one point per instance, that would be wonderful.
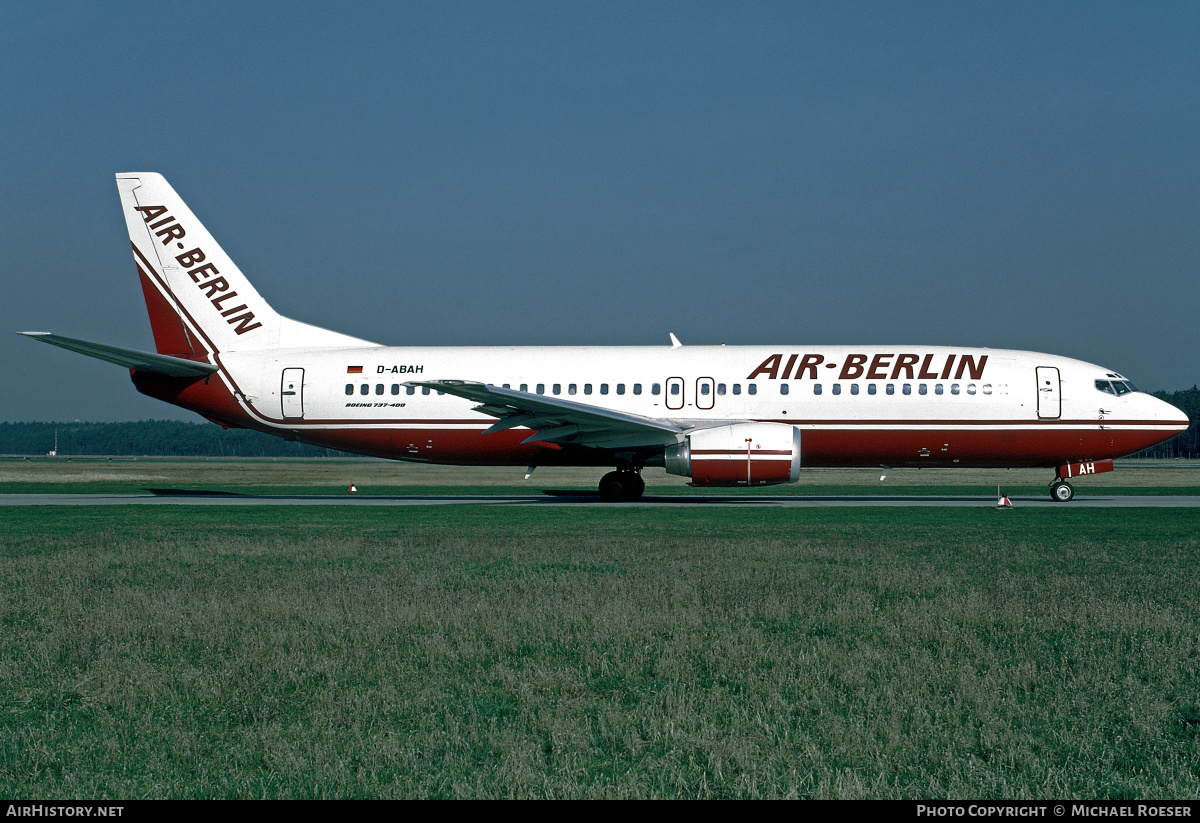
(204, 276)
(879, 367)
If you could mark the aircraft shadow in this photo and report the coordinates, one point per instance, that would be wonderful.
(194, 493)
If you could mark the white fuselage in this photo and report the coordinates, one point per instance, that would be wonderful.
(855, 405)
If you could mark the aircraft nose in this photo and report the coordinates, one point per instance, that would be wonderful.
(1165, 411)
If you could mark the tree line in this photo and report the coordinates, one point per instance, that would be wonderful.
(173, 438)
(159, 438)
(1186, 445)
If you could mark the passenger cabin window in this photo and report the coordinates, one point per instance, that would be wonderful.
(891, 388)
(570, 389)
(524, 387)
(737, 388)
(604, 388)
(854, 388)
(954, 388)
(364, 389)
(655, 389)
(395, 388)
(816, 388)
(379, 388)
(620, 388)
(587, 388)
(720, 388)
(923, 389)
(907, 388)
(837, 388)
(637, 388)
(783, 388)
(751, 388)
(541, 388)
(349, 388)
(557, 389)
(871, 388)
(410, 389)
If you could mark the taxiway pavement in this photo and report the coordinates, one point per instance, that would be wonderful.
(779, 501)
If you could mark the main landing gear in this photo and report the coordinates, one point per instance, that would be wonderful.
(623, 485)
(1061, 491)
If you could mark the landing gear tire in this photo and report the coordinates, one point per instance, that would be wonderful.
(1061, 492)
(620, 486)
(639, 486)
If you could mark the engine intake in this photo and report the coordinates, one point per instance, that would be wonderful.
(742, 454)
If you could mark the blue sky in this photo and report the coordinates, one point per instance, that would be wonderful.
(1013, 175)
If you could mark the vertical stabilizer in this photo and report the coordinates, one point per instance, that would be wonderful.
(198, 299)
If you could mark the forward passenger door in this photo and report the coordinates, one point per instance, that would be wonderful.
(1049, 402)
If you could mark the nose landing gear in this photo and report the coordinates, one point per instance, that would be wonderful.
(624, 485)
(1061, 491)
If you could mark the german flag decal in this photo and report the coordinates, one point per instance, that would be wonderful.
(354, 370)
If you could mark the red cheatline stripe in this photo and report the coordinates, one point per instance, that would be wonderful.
(741, 452)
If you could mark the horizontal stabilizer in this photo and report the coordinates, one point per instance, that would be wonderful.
(129, 358)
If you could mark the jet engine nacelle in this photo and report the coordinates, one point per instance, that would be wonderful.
(741, 454)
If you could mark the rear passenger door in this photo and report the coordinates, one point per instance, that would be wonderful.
(291, 393)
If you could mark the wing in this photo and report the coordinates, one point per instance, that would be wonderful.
(560, 421)
(129, 358)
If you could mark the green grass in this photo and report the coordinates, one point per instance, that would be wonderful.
(599, 652)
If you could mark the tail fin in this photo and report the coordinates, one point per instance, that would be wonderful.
(198, 300)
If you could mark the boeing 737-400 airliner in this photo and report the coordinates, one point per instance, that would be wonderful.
(719, 415)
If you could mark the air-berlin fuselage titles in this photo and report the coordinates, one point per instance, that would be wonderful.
(880, 366)
(719, 415)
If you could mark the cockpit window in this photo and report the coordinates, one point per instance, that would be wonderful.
(1117, 387)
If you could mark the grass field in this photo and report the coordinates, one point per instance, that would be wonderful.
(599, 652)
